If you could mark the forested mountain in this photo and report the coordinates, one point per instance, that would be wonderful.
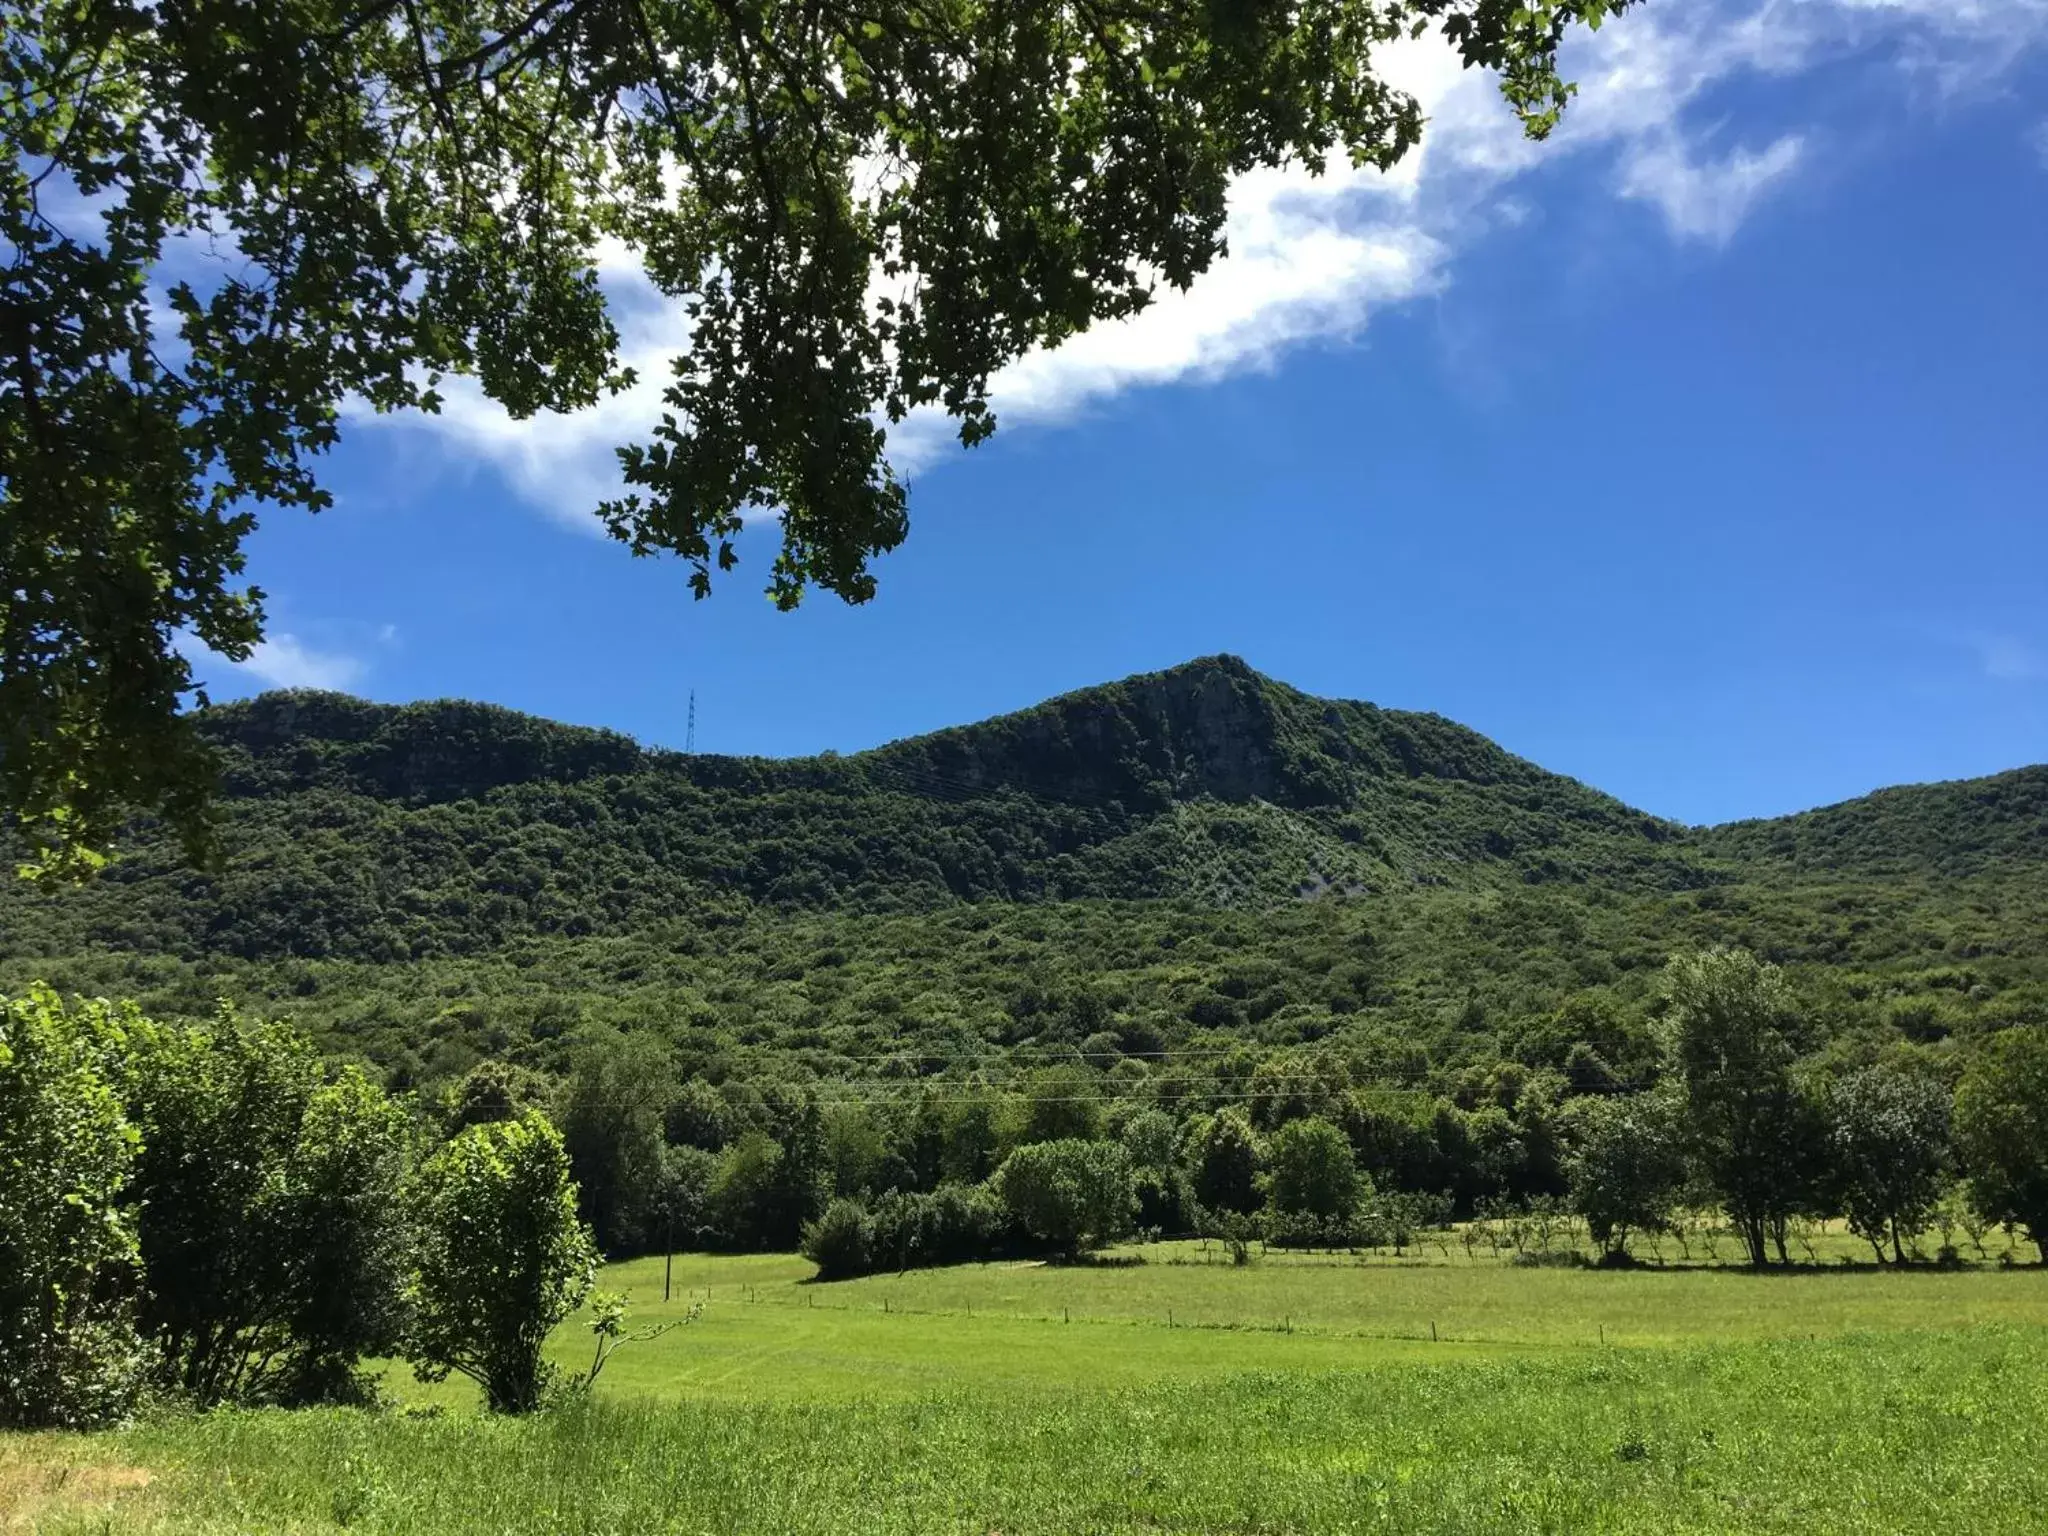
(1193, 850)
(449, 828)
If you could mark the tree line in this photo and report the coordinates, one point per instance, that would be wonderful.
(1727, 1101)
(214, 1212)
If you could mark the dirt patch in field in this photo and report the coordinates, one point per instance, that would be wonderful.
(41, 1480)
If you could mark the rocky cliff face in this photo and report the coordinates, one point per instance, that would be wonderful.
(1214, 728)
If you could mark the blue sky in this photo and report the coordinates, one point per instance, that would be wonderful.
(1699, 454)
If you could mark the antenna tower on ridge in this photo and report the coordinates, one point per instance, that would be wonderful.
(690, 730)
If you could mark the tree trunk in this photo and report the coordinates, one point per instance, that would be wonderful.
(1752, 1229)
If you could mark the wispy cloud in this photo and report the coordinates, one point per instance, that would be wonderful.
(2037, 139)
(283, 660)
(1312, 259)
(2010, 659)
(1706, 200)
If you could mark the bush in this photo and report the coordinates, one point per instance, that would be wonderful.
(952, 1225)
(1074, 1195)
(271, 1226)
(69, 1353)
(841, 1242)
(502, 1259)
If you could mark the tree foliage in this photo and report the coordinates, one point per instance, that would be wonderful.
(1074, 1195)
(612, 1117)
(1888, 1148)
(270, 1216)
(2001, 1116)
(1626, 1165)
(1312, 1172)
(1735, 1043)
(69, 1354)
(502, 1259)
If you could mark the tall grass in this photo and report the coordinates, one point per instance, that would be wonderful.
(1911, 1433)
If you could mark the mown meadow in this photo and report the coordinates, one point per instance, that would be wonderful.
(1158, 1389)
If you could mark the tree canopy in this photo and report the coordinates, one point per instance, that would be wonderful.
(866, 209)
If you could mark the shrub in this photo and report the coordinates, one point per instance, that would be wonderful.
(953, 1224)
(502, 1259)
(69, 1353)
(271, 1226)
(841, 1242)
(1074, 1195)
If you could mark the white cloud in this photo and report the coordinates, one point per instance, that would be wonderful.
(1312, 259)
(1302, 267)
(1705, 201)
(285, 661)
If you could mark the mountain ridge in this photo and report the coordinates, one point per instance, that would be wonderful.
(278, 715)
(395, 832)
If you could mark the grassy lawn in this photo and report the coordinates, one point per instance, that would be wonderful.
(1301, 1393)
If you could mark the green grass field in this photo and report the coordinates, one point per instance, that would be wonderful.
(1301, 1393)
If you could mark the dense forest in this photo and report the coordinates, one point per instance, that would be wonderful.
(1185, 857)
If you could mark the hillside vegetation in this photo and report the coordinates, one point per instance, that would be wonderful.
(1125, 868)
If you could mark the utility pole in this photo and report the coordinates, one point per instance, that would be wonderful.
(690, 730)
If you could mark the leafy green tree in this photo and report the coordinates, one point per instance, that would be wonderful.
(1225, 1162)
(349, 1244)
(2001, 1124)
(1312, 1172)
(841, 1242)
(973, 1140)
(503, 1257)
(270, 1223)
(744, 1189)
(1626, 1165)
(620, 1087)
(426, 193)
(855, 1148)
(69, 1353)
(1734, 1033)
(767, 1191)
(1074, 1195)
(1888, 1146)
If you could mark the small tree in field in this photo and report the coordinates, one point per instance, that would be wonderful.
(1312, 1172)
(1626, 1166)
(1075, 1195)
(1224, 1161)
(503, 1258)
(1888, 1143)
(2001, 1117)
(69, 1355)
(1749, 1125)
